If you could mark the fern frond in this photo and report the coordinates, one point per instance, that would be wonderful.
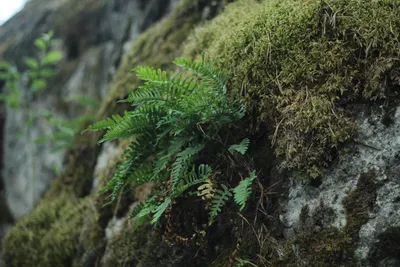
(152, 75)
(243, 190)
(165, 156)
(183, 162)
(128, 126)
(137, 209)
(141, 175)
(159, 210)
(135, 155)
(241, 148)
(206, 72)
(104, 124)
(218, 201)
(193, 178)
(206, 190)
(142, 211)
(144, 95)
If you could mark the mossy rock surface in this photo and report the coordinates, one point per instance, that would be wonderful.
(301, 65)
(50, 233)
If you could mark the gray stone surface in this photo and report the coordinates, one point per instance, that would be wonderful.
(378, 149)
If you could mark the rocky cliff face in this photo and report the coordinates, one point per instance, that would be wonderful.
(93, 41)
(321, 81)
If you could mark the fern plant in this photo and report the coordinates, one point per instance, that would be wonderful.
(176, 118)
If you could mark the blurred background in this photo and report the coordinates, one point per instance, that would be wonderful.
(9, 8)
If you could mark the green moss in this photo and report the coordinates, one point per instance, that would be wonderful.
(127, 248)
(91, 243)
(49, 235)
(359, 203)
(299, 65)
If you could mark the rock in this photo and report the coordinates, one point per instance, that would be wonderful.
(349, 216)
(92, 41)
(377, 151)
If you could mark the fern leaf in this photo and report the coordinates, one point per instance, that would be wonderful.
(159, 211)
(127, 126)
(144, 95)
(218, 201)
(243, 190)
(143, 209)
(164, 158)
(143, 174)
(206, 190)
(241, 148)
(136, 210)
(104, 124)
(193, 178)
(135, 155)
(206, 72)
(152, 75)
(183, 161)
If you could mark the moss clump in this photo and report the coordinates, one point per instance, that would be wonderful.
(299, 65)
(49, 235)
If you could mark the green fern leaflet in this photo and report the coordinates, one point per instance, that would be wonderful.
(243, 190)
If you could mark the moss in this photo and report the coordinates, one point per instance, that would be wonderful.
(359, 203)
(92, 243)
(300, 65)
(50, 233)
(126, 248)
(146, 248)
